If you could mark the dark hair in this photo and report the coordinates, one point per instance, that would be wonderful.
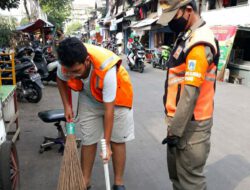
(192, 4)
(71, 51)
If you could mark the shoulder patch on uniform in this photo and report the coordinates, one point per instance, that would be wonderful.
(177, 52)
(191, 65)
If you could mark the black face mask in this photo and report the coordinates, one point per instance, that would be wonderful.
(178, 25)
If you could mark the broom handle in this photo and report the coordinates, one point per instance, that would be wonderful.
(106, 168)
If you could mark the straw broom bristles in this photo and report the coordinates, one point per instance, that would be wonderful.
(71, 177)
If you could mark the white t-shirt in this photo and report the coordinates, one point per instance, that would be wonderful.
(109, 84)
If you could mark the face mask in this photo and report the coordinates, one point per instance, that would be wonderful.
(178, 25)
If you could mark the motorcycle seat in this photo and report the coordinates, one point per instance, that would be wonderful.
(24, 59)
(52, 116)
(23, 66)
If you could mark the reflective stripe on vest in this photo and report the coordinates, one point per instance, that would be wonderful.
(204, 105)
(176, 79)
(103, 60)
(106, 62)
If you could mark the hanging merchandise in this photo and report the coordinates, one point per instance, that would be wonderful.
(137, 13)
(92, 33)
(141, 13)
(113, 26)
(226, 3)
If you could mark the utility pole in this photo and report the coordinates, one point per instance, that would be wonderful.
(200, 7)
(107, 7)
(26, 10)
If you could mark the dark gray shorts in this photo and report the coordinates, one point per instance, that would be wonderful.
(91, 119)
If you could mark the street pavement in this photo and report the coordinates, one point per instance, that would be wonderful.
(228, 165)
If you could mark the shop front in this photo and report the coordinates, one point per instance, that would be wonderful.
(233, 35)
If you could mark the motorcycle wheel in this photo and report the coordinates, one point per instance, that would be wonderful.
(163, 65)
(9, 167)
(153, 64)
(116, 52)
(36, 94)
(141, 68)
(53, 77)
(130, 66)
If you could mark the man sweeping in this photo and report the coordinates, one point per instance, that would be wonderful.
(189, 94)
(105, 102)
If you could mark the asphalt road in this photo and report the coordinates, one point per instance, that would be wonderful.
(228, 166)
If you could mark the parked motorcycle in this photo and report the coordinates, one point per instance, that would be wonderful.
(111, 45)
(104, 44)
(41, 63)
(48, 53)
(139, 58)
(160, 58)
(52, 64)
(29, 84)
(114, 48)
(52, 69)
(156, 58)
(44, 60)
(24, 55)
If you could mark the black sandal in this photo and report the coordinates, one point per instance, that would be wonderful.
(119, 187)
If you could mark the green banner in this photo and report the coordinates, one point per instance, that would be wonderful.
(225, 35)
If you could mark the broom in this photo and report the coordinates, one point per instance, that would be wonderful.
(105, 165)
(71, 177)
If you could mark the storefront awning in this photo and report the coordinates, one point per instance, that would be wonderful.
(130, 12)
(107, 21)
(139, 2)
(235, 16)
(119, 20)
(244, 28)
(38, 24)
(133, 23)
(145, 22)
(118, 14)
(113, 25)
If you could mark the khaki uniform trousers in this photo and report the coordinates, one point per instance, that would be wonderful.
(186, 161)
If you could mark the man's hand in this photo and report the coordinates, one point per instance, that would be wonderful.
(171, 139)
(109, 154)
(68, 113)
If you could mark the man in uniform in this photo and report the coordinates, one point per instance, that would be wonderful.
(189, 94)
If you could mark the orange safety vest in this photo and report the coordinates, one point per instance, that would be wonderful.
(103, 60)
(178, 71)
